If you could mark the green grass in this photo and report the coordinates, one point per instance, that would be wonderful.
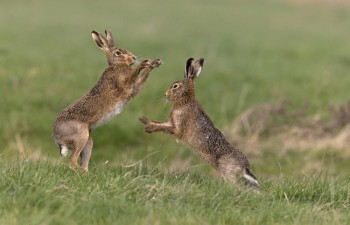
(46, 193)
(255, 52)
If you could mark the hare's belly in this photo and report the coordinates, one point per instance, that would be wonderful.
(107, 116)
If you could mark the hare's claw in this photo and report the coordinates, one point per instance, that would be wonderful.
(149, 129)
(144, 119)
(156, 63)
(146, 63)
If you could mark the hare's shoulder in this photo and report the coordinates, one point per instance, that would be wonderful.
(204, 124)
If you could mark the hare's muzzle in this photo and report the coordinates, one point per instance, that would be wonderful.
(133, 60)
(136, 61)
(168, 95)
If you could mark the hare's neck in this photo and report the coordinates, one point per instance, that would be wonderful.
(113, 69)
(118, 66)
(190, 89)
(182, 101)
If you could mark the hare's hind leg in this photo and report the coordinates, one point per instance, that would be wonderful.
(79, 142)
(71, 135)
(86, 154)
(229, 168)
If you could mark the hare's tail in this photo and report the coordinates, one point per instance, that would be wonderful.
(250, 179)
(63, 150)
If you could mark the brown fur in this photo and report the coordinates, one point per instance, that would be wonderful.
(189, 122)
(117, 85)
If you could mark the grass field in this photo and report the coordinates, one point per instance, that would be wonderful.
(256, 52)
(42, 193)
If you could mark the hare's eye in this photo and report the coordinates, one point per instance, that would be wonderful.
(175, 86)
(118, 52)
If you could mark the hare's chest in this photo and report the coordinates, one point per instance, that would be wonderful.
(118, 107)
(181, 121)
(177, 116)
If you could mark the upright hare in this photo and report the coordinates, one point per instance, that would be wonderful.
(189, 123)
(117, 85)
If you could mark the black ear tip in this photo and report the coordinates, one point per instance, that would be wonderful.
(190, 60)
(201, 61)
(93, 32)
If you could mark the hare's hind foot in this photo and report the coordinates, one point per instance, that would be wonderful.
(76, 167)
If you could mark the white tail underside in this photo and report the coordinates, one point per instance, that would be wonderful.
(251, 179)
(64, 151)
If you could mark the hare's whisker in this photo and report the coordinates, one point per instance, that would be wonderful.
(139, 55)
(164, 104)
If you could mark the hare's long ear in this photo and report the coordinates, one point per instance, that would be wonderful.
(193, 69)
(100, 40)
(188, 68)
(197, 67)
(109, 38)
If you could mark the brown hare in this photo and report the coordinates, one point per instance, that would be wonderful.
(117, 85)
(189, 123)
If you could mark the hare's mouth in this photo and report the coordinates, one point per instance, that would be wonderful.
(168, 96)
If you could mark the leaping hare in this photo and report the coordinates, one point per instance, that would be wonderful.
(189, 123)
(117, 85)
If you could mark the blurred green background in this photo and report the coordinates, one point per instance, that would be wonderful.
(255, 52)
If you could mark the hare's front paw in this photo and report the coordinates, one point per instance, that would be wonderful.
(145, 63)
(149, 129)
(156, 63)
(144, 119)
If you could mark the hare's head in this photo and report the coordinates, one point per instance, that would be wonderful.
(114, 55)
(185, 88)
